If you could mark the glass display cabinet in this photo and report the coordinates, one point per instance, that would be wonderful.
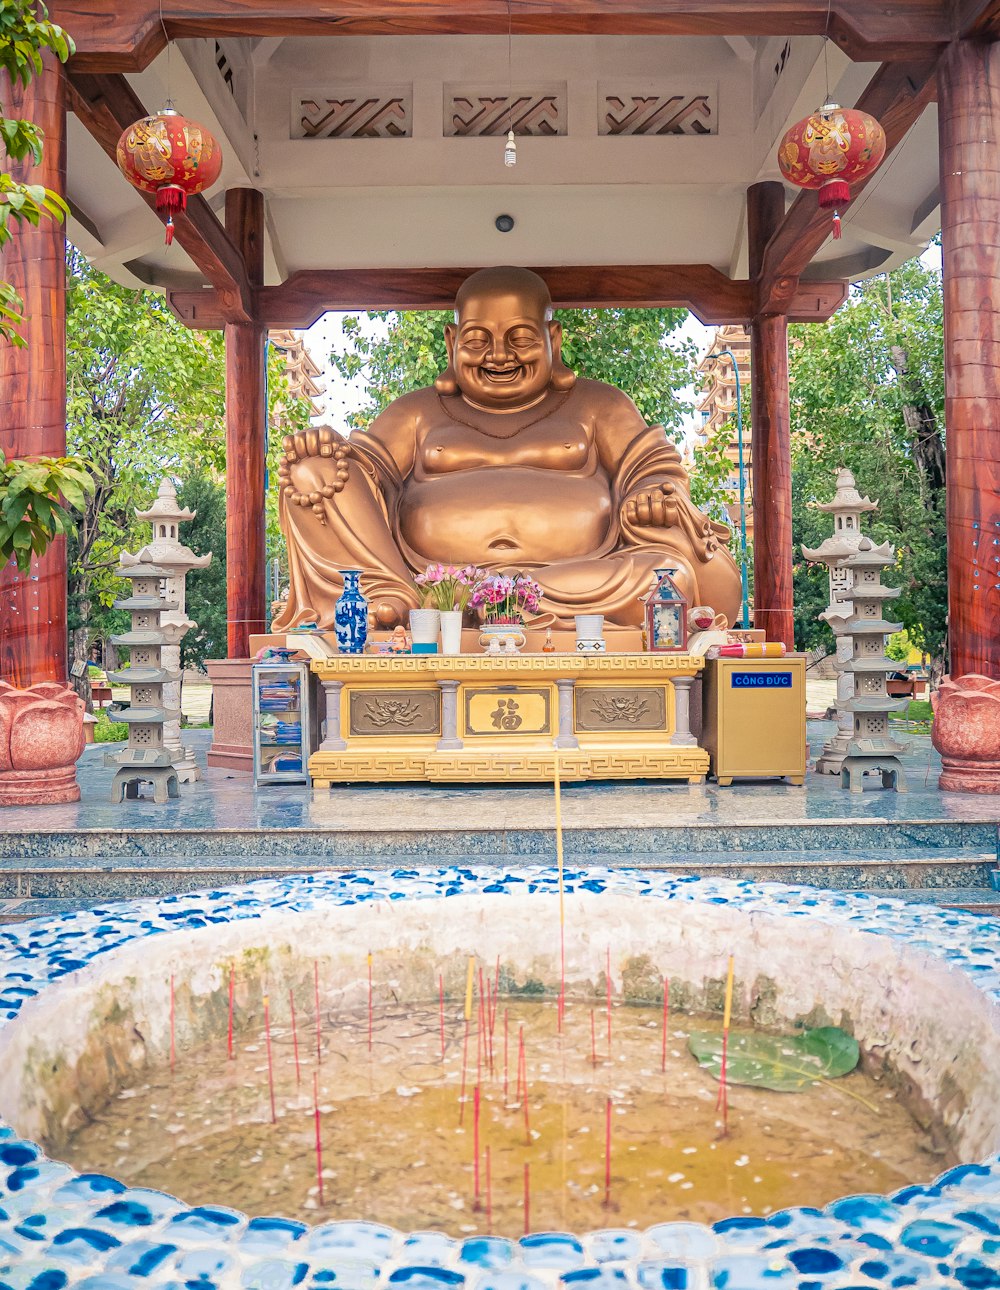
(282, 720)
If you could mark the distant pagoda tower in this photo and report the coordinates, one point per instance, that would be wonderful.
(847, 507)
(871, 746)
(144, 757)
(168, 553)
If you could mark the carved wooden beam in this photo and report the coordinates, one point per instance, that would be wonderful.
(306, 296)
(977, 18)
(896, 95)
(128, 35)
(106, 105)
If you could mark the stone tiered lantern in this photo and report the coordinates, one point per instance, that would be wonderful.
(871, 746)
(145, 757)
(847, 507)
(168, 553)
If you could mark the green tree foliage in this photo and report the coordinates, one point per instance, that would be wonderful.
(206, 588)
(867, 392)
(146, 399)
(633, 349)
(35, 497)
(25, 33)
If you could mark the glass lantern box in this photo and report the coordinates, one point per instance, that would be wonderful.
(666, 615)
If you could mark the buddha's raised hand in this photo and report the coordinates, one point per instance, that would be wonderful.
(654, 508)
(327, 454)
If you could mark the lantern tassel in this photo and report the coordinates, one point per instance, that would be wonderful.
(170, 199)
(836, 226)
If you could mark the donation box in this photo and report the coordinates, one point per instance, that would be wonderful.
(754, 721)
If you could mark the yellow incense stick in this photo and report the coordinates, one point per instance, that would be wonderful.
(729, 996)
(468, 988)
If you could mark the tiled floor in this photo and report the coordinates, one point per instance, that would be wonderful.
(228, 800)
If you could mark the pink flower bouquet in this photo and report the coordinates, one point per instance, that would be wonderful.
(446, 586)
(506, 598)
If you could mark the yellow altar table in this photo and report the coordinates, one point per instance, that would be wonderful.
(468, 718)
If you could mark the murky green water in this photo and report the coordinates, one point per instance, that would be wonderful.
(398, 1142)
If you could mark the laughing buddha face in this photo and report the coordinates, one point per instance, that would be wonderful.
(503, 343)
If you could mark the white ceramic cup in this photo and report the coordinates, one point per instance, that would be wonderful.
(589, 627)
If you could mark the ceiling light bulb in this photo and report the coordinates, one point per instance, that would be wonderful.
(510, 150)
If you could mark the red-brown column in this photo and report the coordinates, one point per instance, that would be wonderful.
(246, 427)
(969, 118)
(33, 637)
(770, 438)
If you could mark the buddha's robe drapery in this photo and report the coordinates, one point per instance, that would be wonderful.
(364, 526)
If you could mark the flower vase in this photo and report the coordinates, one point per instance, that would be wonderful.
(424, 625)
(350, 614)
(451, 631)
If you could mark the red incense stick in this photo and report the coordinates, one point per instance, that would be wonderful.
(270, 1063)
(666, 1015)
(229, 1037)
(172, 1049)
(319, 1049)
(527, 1198)
(593, 1037)
(319, 1142)
(295, 1037)
(523, 1080)
(441, 1009)
(475, 1144)
(506, 1027)
(607, 1153)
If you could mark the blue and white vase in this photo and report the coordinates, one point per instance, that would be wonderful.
(350, 615)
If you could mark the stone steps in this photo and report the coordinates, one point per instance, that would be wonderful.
(917, 870)
(614, 844)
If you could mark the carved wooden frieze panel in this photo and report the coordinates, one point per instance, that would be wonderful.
(622, 110)
(395, 712)
(380, 112)
(617, 708)
(478, 111)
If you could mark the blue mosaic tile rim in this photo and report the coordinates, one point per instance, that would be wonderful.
(60, 1228)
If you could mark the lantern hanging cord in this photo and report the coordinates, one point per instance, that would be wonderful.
(510, 70)
(166, 37)
(826, 50)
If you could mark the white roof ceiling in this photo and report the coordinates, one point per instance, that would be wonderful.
(428, 200)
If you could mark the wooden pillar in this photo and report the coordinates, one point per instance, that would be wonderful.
(770, 436)
(246, 430)
(33, 635)
(968, 116)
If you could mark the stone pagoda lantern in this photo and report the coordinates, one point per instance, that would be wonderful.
(871, 746)
(847, 507)
(168, 553)
(145, 757)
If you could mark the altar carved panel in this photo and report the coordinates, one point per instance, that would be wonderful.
(624, 111)
(508, 710)
(395, 712)
(621, 708)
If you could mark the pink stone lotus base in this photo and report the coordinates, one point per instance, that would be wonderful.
(969, 777)
(39, 788)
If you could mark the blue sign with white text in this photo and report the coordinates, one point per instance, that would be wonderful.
(761, 680)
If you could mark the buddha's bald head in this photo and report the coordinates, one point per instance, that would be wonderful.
(525, 291)
(504, 346)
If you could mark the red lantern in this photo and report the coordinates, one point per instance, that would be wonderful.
(170, 156)
(830, 150)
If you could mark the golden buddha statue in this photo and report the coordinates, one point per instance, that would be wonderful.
(510, 462)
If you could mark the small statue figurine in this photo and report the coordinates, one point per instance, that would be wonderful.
(399, 642)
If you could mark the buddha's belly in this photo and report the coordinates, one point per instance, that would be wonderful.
(505, 515)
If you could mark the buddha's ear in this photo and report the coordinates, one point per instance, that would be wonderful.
(447, 382)
(563, 378)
